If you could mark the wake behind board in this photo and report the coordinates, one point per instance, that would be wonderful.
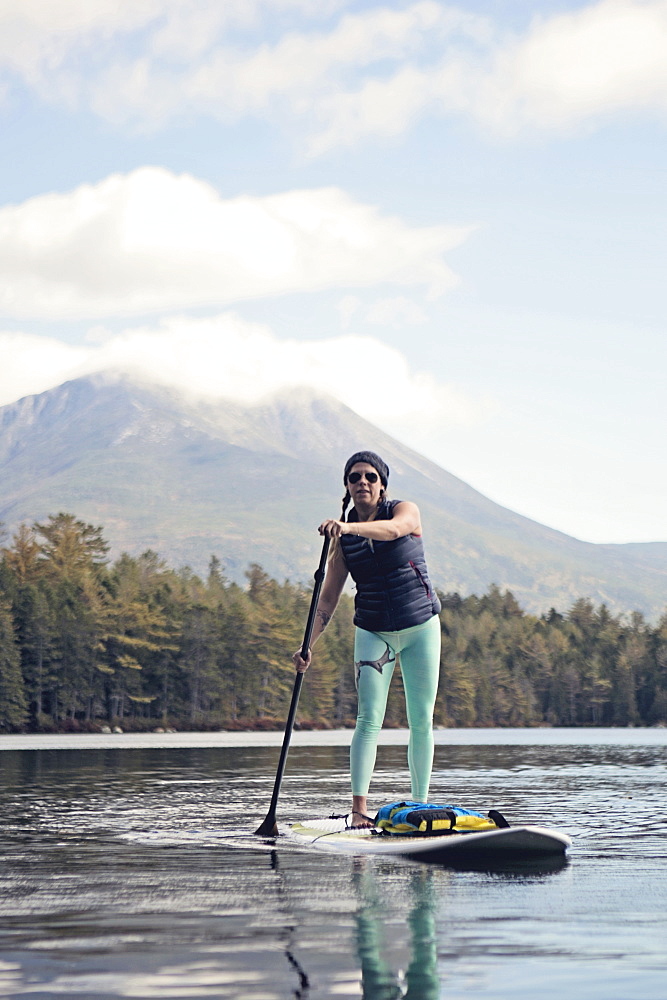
(517, 843)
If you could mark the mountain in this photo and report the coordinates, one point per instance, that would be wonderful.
(189, 478)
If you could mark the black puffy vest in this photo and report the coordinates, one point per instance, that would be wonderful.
(393, 588)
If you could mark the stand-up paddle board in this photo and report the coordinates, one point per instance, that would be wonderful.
(513, 842)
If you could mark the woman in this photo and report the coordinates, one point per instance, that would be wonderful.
(396, 614)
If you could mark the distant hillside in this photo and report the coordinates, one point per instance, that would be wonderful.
(250, 484)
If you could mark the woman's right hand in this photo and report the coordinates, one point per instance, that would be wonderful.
(301, 664)
(333, 528)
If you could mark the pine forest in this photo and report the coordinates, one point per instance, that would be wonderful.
(134, 644)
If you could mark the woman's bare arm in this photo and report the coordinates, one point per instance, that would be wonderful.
(406, 520)
(332, 588)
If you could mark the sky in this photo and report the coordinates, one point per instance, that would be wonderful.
(451, 218)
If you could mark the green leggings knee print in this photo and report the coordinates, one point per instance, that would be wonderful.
(418, 649)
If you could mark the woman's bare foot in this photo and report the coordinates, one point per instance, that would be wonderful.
(360, 818)
(360, 821)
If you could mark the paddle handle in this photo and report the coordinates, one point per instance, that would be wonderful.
(269, 828)
(319, 580)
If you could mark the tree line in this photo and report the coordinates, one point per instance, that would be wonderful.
(86, 642)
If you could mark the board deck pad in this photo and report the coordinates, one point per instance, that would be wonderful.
(517, 842)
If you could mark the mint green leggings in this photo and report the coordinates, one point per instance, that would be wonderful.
(418, 650)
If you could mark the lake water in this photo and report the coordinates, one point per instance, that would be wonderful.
(130, 869)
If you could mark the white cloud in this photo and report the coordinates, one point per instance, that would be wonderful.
(607, 57)
(384, 107)
(33, 364)
(151, 241)
(39, 37)
(561, 72)
(370, 72)
(293, 76)
(227, 357)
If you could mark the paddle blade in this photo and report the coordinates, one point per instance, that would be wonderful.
(269, 827)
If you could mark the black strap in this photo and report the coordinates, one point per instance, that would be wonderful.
(452, 817)
(429, 816)
(498, 819)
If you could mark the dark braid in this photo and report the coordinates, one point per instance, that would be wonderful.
(346, 504)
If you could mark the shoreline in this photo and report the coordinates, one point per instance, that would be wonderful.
(537, 736)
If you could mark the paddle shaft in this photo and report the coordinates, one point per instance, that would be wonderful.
(269, 827)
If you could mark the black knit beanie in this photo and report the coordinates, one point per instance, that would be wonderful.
(372, 459)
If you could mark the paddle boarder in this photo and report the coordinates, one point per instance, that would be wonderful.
(396, 618)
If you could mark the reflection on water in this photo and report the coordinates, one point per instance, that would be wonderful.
(380, 978)
(135, 872)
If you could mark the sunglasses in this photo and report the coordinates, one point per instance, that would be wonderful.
(370, 477)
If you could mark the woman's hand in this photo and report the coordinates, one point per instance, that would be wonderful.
(301, 664)
(333, 528)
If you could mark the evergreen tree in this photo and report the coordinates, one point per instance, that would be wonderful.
(22, 559)
(13, 712)
(140, 636)
(72, 560)
(70, 549)
(36, 629)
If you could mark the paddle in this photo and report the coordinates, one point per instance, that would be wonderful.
(269, 827)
